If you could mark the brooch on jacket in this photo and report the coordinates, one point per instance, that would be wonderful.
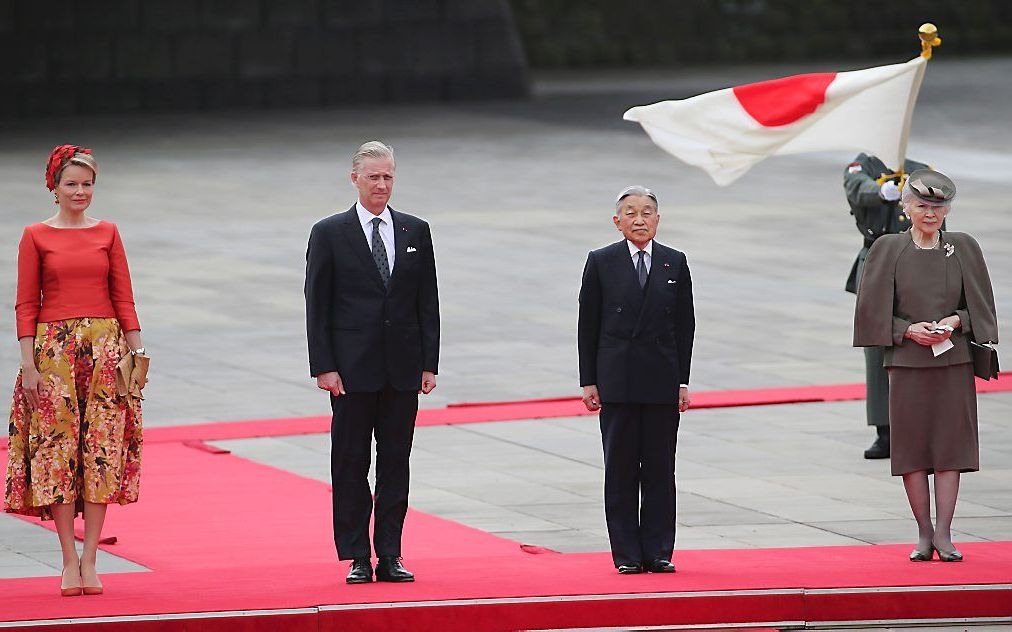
(949, 249)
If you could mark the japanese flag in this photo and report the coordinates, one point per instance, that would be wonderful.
(727, 131)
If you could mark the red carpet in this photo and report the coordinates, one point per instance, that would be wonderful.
(204, 510)
(306, 584)
(221, 533)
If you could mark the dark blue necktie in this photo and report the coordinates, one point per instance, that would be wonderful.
(379, 252)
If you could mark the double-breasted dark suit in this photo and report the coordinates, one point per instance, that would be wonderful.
(635, 345)
(379, 339)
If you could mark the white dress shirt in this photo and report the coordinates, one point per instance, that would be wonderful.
(386, 230)
(634, 253)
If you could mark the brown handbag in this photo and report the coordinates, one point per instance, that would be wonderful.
(985, 361)
(132, 376)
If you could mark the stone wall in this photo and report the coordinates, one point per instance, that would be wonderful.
(82, 56)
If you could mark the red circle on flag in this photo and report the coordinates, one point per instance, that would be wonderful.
(782, 101)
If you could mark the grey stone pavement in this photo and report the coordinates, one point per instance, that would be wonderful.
(215, 209)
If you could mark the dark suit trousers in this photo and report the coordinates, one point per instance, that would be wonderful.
(639, 480)
(390, 415)
(877, 380)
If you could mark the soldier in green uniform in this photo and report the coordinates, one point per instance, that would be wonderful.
(876, 212)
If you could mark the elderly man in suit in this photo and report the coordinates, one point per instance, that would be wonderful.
(636, 330)
(372, 316)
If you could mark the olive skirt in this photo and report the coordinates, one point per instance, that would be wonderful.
(933, 419)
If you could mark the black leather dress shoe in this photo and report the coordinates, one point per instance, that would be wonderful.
(630, 569)
(660, 566)
(360, 571)
(878, 450)
(390, 569)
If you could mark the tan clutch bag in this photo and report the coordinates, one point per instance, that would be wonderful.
(132, 376)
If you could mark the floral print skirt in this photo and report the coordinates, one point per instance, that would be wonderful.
(84, 441)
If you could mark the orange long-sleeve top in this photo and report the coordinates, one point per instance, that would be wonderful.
(73, 273)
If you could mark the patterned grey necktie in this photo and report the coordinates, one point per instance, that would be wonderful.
(641, 268)
(379, 252)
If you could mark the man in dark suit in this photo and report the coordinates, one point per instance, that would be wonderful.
(635, 340)
(372, 316)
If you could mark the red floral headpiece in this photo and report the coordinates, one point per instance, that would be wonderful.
(58, 159)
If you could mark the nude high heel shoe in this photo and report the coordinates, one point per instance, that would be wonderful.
(91, 590)
(73, 591)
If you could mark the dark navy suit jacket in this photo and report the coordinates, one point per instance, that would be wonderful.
(636, 344)
(372, 335)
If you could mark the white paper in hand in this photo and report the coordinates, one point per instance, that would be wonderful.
(941, 347)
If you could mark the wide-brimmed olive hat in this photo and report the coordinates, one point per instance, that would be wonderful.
(931, 186)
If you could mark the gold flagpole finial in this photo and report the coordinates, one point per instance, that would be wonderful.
(929, 39)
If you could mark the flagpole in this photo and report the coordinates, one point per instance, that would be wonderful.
(928, 34)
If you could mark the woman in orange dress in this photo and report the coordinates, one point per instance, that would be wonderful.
(75, 442)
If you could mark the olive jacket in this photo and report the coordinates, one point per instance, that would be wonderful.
(876, 321)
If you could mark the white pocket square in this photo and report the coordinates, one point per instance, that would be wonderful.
(412, 249)
(672, 281)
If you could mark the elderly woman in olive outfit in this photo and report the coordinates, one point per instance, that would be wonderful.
(75, 441)
(922, 295)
